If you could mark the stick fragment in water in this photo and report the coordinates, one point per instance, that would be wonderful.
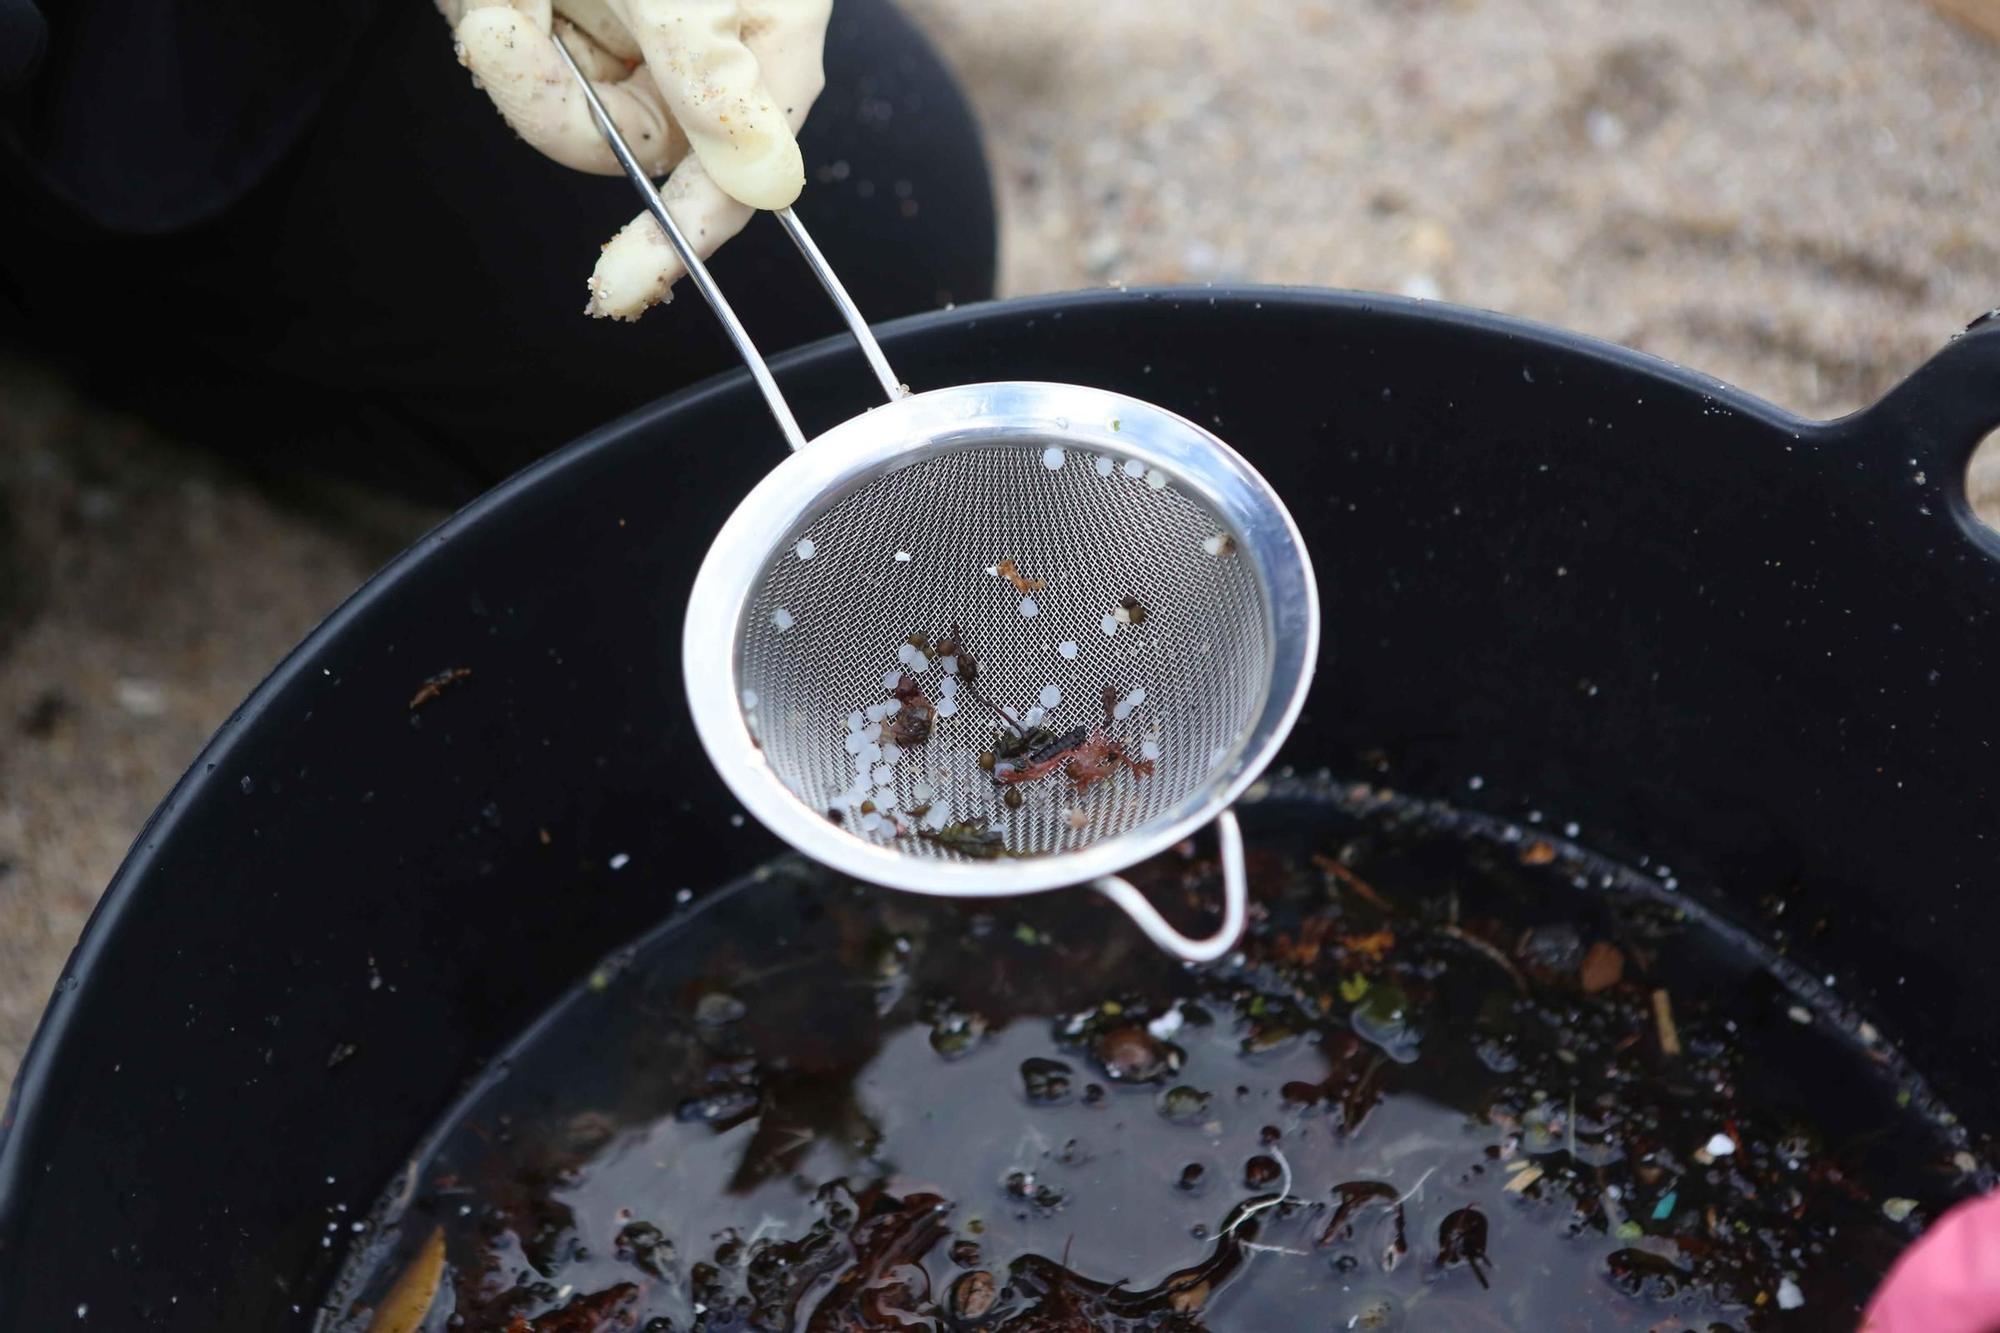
(1663, 1018)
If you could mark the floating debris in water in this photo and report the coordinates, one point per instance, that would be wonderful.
(432, 687)
(1538, 1101)
(1046, 1082)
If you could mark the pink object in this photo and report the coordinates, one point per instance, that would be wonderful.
(1949, 1281)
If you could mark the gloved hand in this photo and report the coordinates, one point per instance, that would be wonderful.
(730, 80)
(1949, 1280)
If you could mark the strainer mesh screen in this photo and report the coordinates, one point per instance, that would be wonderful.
(908, 553)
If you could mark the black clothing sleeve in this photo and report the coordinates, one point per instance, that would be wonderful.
(145, 117)
(399, 296)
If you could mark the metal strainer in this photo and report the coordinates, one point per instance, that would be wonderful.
(1099, 619)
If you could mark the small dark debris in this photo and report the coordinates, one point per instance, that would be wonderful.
(49, 711)
(1047, 1082)
(973, 1294)
(1462, 1240)
(433, 686)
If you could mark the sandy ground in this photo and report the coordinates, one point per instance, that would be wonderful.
(1798, 196)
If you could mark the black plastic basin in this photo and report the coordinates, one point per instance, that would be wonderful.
(1758, 649)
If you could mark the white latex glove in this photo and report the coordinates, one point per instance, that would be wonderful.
(730, 80)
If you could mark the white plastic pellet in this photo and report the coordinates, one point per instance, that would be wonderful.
(1136, 697)
(872, 753)
(948, 687)
(876, 712)
(949, 665)
(782, 619)
(885, 799)
(889, 679)
(1721, 1146)
(1149, 749)
(1028, 608)
(855, 721)
(1034, 718)
(1105, 467)
(1156, 479)
(922, 792)
(891, 752)
(902, 557)
(805, 550)
(1789, 1295)
(1067, 648)
(1051, 696)
(1122, 711)
(917, 660)
(1215, 545)
(1134, 468)
(749, 698)
(947, 707)
(884, 775)
(1109, 625)
(854, 742)
(940, 814)
(1052, 459)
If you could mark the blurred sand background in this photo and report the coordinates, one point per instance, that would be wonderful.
(1799, 196)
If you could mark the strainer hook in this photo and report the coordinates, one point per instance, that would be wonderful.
(1235, 902)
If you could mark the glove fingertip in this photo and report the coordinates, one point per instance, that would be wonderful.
(771, 177)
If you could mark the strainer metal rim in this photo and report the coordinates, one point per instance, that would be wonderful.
(1074, 416)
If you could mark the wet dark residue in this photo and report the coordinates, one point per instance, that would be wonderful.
(1461, 1078)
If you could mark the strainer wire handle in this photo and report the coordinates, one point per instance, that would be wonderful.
(856, 325)
(712, 293)
(1235, 902)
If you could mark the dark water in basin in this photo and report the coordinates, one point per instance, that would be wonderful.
(1443, 1088)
